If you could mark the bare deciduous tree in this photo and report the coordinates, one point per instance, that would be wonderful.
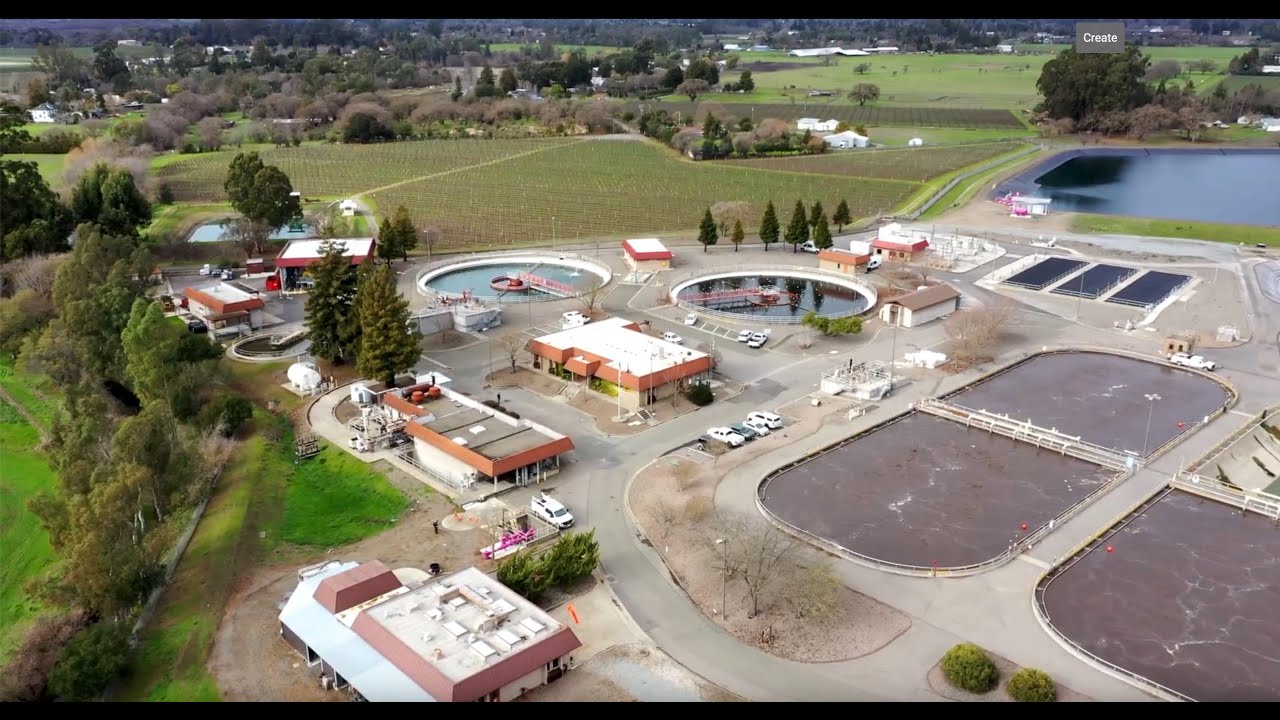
(663, 517)
(210, 129)
(693, 88)
(758, 553)
(727, 212)
(36, 273)
(329, 224)
(698, 508)
(592, 296)
(816, 592)
(976, 333)
(248, 234)
(512, 346)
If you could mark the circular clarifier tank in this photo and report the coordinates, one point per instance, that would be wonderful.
(780, 296)
(516, 278)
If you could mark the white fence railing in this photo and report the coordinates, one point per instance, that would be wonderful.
(1257, 501)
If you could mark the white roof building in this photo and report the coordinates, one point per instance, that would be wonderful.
(847, 139)
(816, 125)
(819, 52)
(301, 253)
(621, 347)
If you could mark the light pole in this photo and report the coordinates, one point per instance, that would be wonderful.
(1079, 296)
(1151, 409)
(553, 232)
(893, 348)
(724, 576)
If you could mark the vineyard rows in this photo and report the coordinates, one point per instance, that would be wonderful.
(914, 164)
(613, 189)
(338, 170)
(871, 115)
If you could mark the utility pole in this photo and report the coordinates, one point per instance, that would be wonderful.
(1151, 409)
(893, 348)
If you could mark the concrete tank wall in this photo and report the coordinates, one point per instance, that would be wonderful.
(1243, 463)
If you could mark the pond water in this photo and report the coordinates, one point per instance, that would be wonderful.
(798, 297)
(1227, 186)
(212, 232)
(477, 279)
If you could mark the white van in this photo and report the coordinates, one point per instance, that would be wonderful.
(874, 262)
(770, 420)
(573, 319)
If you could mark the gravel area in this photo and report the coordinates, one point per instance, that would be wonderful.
(635, 672)
(938, 682)
(251, 663)
(673, 501)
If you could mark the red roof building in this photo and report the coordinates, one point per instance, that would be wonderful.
(647, 254)
(462, 637)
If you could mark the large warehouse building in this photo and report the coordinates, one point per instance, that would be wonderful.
(645, 369)
(402, 636)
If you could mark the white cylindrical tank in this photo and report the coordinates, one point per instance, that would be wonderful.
(304, 375)
(859, 247)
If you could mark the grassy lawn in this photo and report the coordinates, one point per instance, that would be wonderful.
(52, 167)
(180, 218)
(899, 136)
(915, 165)
(1217, 232)
(35, 394)
(27, 553)
(335, 499)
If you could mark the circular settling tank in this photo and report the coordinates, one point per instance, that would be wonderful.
(521, 278)
(782, 296)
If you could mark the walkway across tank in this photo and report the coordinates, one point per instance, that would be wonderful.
(936, 490)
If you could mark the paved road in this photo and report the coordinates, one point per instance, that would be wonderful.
(993, 609)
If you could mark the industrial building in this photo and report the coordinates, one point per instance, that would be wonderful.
(895, 245)
(842, 261)
(405, 636)
(226, 308)
(922, 306)
(644, 369)
(647, 255)
(298, 255)
(453, 438)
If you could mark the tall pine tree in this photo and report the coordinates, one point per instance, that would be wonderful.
(738, 234)
(817, 212)
(769, 227)
(387, 345)
(842, 217)
(822, 233)
(707, 233)
(332, 323)
(798, 228)
(397, 236)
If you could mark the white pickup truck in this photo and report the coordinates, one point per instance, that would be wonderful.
(551, 510)
(1192, 361)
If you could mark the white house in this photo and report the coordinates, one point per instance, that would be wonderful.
(816, 125)
(819, 52)
(1270, 69)
(1006, 49)
(845, 140)
(915, 142)
(44, 113)
(348, 207)
(732, 46)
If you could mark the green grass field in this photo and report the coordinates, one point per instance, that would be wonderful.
(1191, 230)
(836, 109)
(1235, 82)
(491, 193)
(52, 167)
(915, 165)
(334, 499)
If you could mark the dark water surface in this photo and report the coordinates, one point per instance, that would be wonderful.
(1215, 186)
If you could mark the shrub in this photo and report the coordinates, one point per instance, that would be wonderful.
(1031, 685)
(573, 557)
(700, 394)
(227, 413)
(89, 663)
(967, 667)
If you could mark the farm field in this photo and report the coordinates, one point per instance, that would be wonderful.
(915, 165)
(495, 192)
(51, 166)
(594, 189)
(324, 170)
(895, 137)
(837, 109)
(1235, 82)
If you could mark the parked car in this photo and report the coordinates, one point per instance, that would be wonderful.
(771, 421)
(672, 338)
(691, 319)
(726, 436)
(808, 246)
(551, 510)
(758, 426)
(757, 340)
(744, 335)
(1192, 361)
(573, 319)
(745, 431)
(197, 326)
(208, 270)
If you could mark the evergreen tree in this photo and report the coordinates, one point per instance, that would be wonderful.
(388, 345)
(798, 229)
(817, 212)
(842, 217)
(738, 234)
(329, 308)
(769, 227)
(822, 233)
(457, 88)
(707, 233)
(397, 236)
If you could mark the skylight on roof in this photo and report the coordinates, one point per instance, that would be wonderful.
(477, 429)
(455, 629)
(532, 625)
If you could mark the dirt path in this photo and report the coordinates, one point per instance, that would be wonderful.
(31, 419)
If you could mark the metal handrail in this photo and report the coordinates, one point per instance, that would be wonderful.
(836, 279)
(498, 255)
(235, 347)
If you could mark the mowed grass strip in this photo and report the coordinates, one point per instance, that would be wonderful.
(334, 499)
(34, 393)
(613, 189)
(836, 109)
(1248, 235)
(24, 473)
(338, 170)
(915, 164)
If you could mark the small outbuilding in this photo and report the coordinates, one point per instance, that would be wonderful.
(816, 125)
(846, 140)
(842, 261)
(348, 207)
(922, 306)
(1024, 206)
(893, 244)
(647, 255)
(915, 142)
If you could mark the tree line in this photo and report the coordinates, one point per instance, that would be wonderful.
(725, 220)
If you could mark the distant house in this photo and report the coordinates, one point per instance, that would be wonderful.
(1006, 49)
(44, 113)
(732, 46)
(819, 52)
(1270, 69)
(759, 48)
(915, 142)
(846, 140)
(816, 125)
